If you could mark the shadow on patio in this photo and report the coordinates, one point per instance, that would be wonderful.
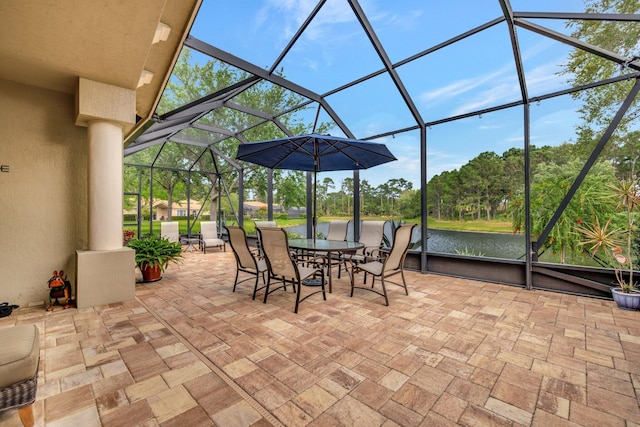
(188, 351)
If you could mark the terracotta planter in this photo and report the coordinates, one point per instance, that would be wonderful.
(151, 273)
(626, 301)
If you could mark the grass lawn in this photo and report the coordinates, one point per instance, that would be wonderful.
(496, 226)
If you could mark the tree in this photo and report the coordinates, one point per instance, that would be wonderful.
(327, 184)
(191, 81)
(347, 190)
(601, 103)
(550, 185)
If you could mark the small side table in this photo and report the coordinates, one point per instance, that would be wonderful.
(191, 241)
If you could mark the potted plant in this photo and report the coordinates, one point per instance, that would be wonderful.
(153, 255)
(615, 244)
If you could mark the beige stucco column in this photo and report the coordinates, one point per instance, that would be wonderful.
(105, 271)
(105, 185)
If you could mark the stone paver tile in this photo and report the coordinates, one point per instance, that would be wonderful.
(111, 384)
(277, 325)
(393, 380)
(332, 387)
(217, 399)
(508, 411)
(138, 413)
(421, 356)
(401, 415)
(87, 417)
(389, 347)
(521, 377)
(456, 368)
(291, 415)
(171, 403)
(349, 412)
(559, 372)
(487, 363)
(586, 416)
(450, 407)
(118, 344)
(476, 416)
(297, 378)
(431, 379)
(404, 364)
(347, 358)
(515, 358)
(239, 368)
(346, 378)
(107, 402)
(194, 417)
(240, 414)
(171, 350)
(374, 371)
(147, 388)
(63, 373)
(468, 391)
(372, 394)
(553, 404)
(613, 403)
(255, 380)
(415, 398)
(80, 379)
(545, 419)
(185, 373)
(142, 361)
(66, 403)
(435, 419)
(515, 396)
(274, 395)
(102, 358)
(274, 363)
(593, 357)
(314, 401)
(113, 368)
(564, 389)
(610, 380)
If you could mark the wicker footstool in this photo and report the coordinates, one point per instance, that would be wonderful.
(19, 358)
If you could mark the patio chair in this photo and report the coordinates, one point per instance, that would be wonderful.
(210, 238)
(282, 267)
(371, 234)
(170, 230)
(263, 224)
(245, 258)
(337, 231)
(389, 265)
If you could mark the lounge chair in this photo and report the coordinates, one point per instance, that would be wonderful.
(210, 236)
(170, 230)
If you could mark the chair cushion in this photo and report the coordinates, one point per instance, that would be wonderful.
(213, 242)
(373, 267)
(19, 354)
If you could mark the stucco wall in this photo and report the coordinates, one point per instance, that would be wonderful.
(43, 199)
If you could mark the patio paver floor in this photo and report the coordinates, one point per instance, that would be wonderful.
(188, 351)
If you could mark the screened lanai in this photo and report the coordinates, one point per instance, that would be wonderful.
(481, 102)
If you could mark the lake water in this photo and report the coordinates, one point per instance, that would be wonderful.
(494, 245)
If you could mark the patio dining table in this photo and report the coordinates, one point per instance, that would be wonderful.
(325, 246)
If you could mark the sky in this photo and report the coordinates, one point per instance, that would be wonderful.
(475, 73)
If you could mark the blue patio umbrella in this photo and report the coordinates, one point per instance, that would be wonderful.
(315, 153)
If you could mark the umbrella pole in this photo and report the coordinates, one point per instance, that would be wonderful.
(315, 223)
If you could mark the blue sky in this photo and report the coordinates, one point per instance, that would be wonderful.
(475, 73)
